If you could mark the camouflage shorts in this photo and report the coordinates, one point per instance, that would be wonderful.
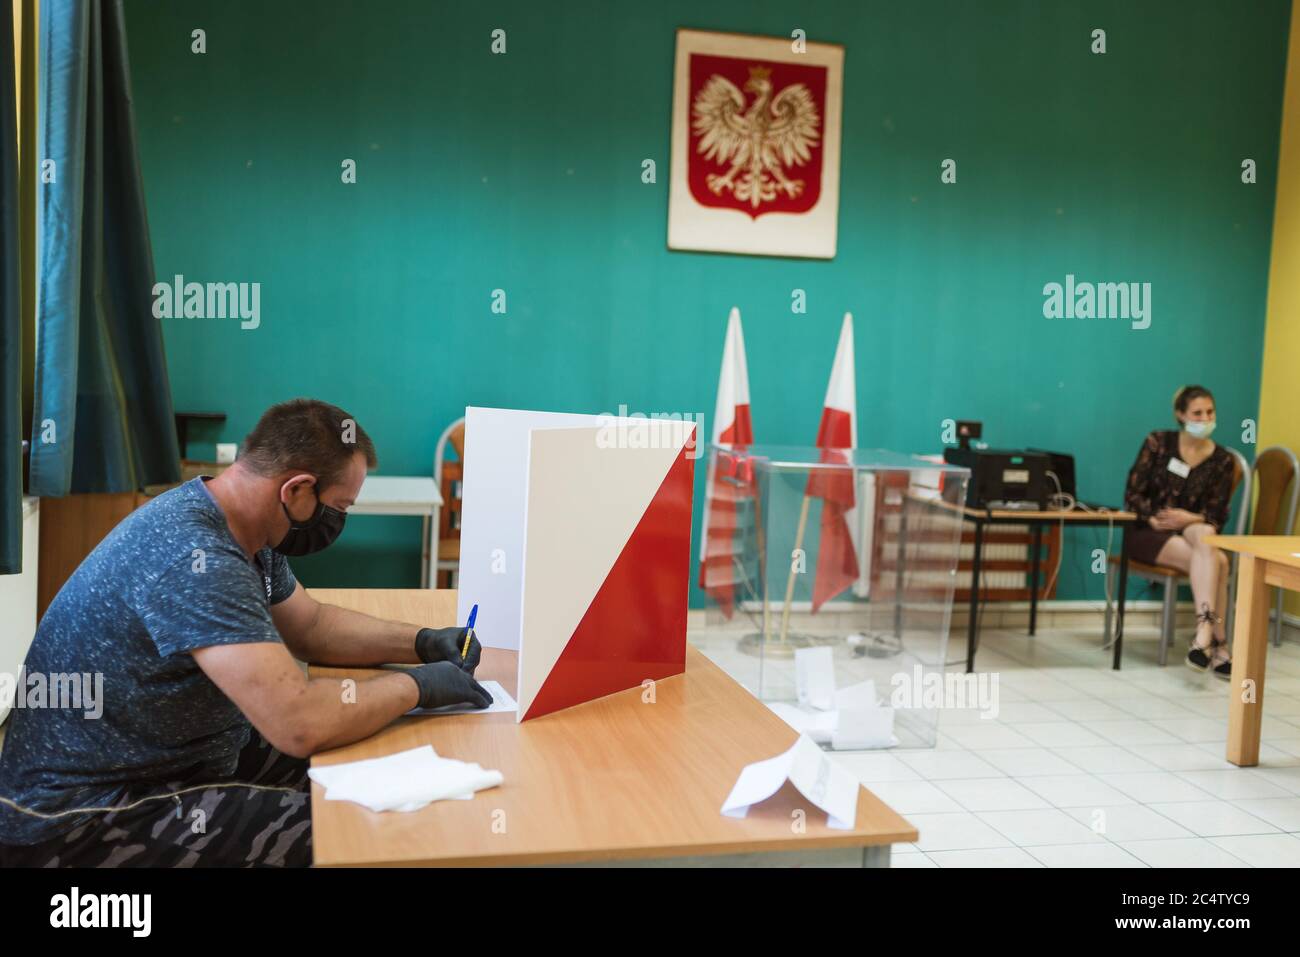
(239, 826)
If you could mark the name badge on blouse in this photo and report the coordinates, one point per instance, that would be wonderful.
(1179, 467)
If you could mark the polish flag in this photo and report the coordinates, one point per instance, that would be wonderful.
(726, 483)
(837, 561)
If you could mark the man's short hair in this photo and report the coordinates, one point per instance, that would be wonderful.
(306, 435)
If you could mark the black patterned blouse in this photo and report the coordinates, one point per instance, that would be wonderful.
(1207, 489)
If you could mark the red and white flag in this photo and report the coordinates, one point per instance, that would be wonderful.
(837, 561)
(726, 483)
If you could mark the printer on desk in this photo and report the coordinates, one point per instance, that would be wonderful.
(1001, 478)
(1008, 478)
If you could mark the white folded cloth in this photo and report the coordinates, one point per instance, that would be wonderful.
(406, 781)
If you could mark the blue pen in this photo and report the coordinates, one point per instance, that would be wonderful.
(469, 632)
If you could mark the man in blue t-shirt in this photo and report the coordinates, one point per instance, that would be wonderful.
(195, 752)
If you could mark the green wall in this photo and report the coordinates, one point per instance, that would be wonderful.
(522, 172)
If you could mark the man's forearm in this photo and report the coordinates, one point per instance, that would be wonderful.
(341, 636)
(332, 713)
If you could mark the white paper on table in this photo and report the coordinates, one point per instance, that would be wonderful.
(823, 782)
(406, 781)
(758, 782)
(501, 701)
(814, 677)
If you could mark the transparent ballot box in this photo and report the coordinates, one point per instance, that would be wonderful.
(830, 578)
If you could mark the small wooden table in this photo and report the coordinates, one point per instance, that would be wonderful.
(1263, 561)
(1035, 519)
(615, 781)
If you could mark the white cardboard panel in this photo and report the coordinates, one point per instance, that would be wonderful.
(492, 515)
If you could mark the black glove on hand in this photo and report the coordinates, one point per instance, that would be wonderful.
(443, 683)
(445, 644)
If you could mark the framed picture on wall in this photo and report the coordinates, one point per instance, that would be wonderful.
(755, 145)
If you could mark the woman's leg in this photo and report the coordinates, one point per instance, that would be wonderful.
(1207, 568)
(1178, 553)
(1209, 575)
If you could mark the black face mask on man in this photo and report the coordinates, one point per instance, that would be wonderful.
(316, 533)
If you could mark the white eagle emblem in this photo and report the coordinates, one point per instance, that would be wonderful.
(775, 134)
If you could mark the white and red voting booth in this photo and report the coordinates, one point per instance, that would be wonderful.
(575, 545)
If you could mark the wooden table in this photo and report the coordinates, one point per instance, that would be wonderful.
(1263, 561)
(405, 495)
(615, 781)
(1035, 519)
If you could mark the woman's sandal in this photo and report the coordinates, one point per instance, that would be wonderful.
(1202, 659)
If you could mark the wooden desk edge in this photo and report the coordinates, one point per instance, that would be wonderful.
(645, 853)
(1011, 514)
(1249, 544)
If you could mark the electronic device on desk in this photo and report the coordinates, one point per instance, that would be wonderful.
(1003, 479)
(1062, 466)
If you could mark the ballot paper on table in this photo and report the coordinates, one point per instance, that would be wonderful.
(826, 784)
(406, 781)
(501, 701)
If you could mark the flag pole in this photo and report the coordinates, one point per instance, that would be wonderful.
(762, 558)
(798, 547)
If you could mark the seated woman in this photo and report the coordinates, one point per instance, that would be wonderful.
(1180, 487)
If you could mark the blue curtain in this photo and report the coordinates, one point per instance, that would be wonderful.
(11, 346)
(102, 418)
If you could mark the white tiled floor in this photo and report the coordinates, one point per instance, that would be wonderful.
(1088, 767)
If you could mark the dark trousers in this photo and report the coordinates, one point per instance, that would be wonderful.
(240, 826)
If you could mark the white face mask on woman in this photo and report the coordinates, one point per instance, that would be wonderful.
(1199, 430)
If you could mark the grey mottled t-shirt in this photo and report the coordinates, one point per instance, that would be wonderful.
(168, 580)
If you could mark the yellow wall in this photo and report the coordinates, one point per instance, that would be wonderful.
(1279, 403)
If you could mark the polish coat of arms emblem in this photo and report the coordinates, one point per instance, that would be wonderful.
(756, 130)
